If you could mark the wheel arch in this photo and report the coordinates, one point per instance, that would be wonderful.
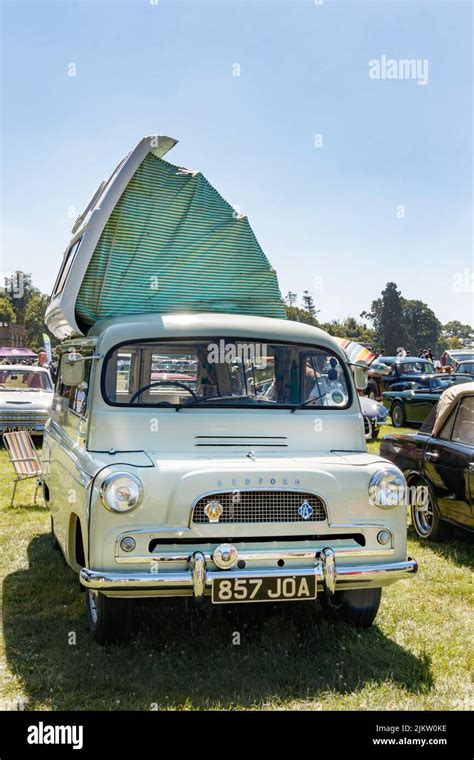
(76, 545)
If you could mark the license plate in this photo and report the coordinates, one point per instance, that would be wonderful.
(285, 589)
(12, 428)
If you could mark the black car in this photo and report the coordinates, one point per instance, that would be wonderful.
(440, 457)
(411, 405)
(385, 371)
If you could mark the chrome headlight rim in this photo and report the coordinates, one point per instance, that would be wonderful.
(381, 498)
(108, 481)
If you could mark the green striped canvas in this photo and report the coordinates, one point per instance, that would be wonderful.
(173, 244)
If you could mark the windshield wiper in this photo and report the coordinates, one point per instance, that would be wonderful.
(307, 402)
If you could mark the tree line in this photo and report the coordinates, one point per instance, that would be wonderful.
(24, 304)
(392, 320)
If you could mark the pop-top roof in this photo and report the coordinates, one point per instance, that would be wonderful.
(159, 238)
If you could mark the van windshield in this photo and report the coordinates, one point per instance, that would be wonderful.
(224, 372)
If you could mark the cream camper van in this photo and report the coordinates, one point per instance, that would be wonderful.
(200, 444)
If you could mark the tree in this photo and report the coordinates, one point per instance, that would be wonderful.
(456, 329)
(300, 315)
(34, 319)
(7, 312)
(308, 303)
(422, 328)
(290, 298)
(352, 329)
(20, 290)
(452, 343)
(386, 315)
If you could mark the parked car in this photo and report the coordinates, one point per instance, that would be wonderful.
(387, 370)
(375, 415)
(465, 367)
(410, 403)
(26, 395)
(459, 355)
(439, 458)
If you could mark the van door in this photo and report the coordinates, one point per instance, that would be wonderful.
(448, 461)
(64, 454)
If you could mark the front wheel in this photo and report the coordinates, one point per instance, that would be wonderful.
(371, 390)
(110, 620)
(398, 415)
(426, 521)
(357, 608)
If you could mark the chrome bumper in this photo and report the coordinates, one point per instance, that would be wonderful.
(197, 579)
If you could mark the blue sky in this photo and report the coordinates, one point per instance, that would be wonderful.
(327, 217)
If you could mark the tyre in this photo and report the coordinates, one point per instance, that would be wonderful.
(371, 390)
(397, 414)
(110, 620)
(426, 520)
(358, 607)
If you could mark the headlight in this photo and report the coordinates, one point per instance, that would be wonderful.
(121, 492)
(387, 488)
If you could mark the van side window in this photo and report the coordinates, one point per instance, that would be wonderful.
(67, 264)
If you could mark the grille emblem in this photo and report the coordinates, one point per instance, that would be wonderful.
(213, 510)
(305, 510)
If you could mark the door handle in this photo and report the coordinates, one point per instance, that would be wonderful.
(79, 427)
(432, 456)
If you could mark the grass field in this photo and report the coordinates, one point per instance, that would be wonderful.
(416, 656)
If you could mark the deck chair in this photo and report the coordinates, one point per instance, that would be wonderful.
(24, 458)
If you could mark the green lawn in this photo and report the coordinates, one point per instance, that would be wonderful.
(416, 656)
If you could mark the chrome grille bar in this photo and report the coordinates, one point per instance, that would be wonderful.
(262, 507)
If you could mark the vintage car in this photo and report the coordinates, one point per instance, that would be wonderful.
(411, 405)
(453, 357)
(26, 395)
(387, 370)
(251, 481)
(438, 464)
(375, 415)
(465, 367)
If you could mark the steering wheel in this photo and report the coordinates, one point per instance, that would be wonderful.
(163, 382)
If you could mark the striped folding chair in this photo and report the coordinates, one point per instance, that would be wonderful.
(24, 458)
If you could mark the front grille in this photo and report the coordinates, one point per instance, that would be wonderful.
(24, 418)
(262, 507)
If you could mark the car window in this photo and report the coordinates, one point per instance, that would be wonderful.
(415, 367)
(445, 432)
(463, 430)
(429, 421)
(226, 372)
(24, 380)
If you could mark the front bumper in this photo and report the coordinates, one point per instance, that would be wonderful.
(196, 580)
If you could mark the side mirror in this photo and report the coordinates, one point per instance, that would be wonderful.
(360, 377)
(72, 369)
